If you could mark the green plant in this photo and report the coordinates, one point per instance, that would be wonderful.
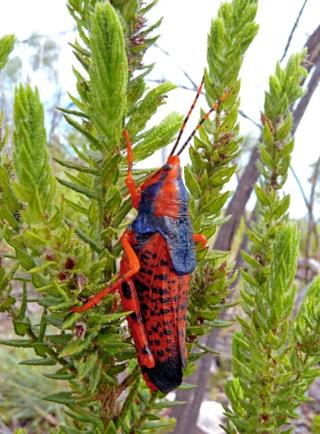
(22, 389)
(274, 362)
(315, 427)
(60, 234)
(62, 240)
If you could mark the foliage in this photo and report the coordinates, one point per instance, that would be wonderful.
(60, 235)
(22, 390)
(213, 161)
(62, 243)
(274, 362)
(35, 183)
(315, 424)
(6, 46)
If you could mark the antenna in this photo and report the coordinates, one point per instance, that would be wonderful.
(214, 107)
(187, 117)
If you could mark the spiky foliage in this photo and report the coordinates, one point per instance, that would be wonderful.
(22, 390)
(271, 373)
(213, 159)
(62, 246)
(35, 182)
(6, 46)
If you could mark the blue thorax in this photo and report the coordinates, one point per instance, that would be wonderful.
(177, 232)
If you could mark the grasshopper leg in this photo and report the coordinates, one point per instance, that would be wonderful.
(133, 190)
(133, 267)
(199, 238)
(130, 302)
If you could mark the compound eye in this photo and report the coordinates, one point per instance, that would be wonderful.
(167, 167)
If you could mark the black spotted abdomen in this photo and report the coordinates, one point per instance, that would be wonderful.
(163, 299)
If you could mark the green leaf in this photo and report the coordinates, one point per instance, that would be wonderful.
(7, 303)
(187, 386)
(61, 398)
(74, 347)
(31, 159)
(192, 184)
(215, 205)
(21, 327)
(108, 74)
(285, 128)
(156, 425)
(167, 404)
(39, 362)
(6, 46)
(75, 166)
(282, 207)
(147, 107)
(111, 428)
(219, 323)
(157, 137)
(84, 131)
(24, 343)
(23, 305)
(79, 189)
(63, 376)
(85, 366)
(262, 196)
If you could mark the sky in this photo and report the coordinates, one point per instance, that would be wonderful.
(183, 35)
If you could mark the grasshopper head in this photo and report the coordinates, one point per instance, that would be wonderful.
(164, 192)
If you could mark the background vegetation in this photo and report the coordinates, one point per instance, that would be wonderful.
(62, 212)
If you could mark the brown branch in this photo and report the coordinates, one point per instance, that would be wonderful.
(311, 220)
(313, 47)
(188, 416)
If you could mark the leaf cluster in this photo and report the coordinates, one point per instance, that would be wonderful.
(61, 244)
(213, 160)
(271, 371)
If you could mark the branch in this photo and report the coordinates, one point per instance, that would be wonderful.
(311, 221)
(194, 84)
(294, 28)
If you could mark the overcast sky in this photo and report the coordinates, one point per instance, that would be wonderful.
(184, 33)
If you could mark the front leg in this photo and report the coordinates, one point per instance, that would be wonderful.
(199, 238)
(133, 190)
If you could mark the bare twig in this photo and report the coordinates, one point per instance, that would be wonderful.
(180, 86)
(194, 85)
(294, 28)
(305, 199)
(244, 115)
(313, 47)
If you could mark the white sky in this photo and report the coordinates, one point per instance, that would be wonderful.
(184, 32)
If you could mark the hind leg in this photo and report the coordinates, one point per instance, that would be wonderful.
(133, 267)
(129, 299)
